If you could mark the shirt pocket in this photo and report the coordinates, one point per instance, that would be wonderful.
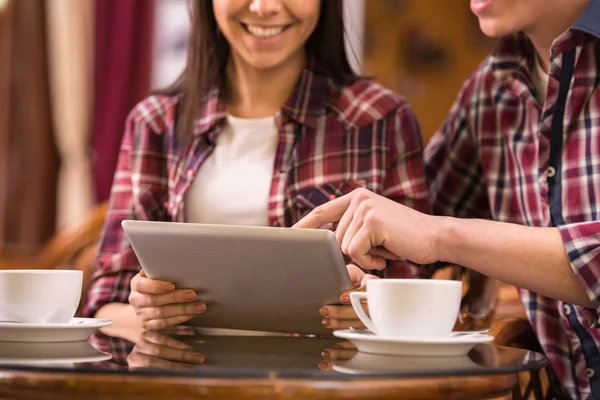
(305, 199)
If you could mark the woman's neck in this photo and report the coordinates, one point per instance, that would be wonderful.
(256, 93)
(543, 36)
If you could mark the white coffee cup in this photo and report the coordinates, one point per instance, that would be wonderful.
(39, 296)
(409, 307)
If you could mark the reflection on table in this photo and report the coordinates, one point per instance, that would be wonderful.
(183, 349)
(182, 363)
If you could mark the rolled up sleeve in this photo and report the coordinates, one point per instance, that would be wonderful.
(582, 243)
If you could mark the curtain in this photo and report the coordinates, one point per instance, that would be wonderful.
(122, 70)
(5, 39)
(70, 64)
(32, 160)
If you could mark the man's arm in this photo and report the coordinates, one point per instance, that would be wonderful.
(527, 257)
(372, 228)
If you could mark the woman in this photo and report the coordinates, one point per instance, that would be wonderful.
(267, 122)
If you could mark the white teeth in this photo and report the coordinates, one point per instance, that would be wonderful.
(264, 32)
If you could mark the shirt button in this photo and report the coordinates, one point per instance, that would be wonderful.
(567, 309)
(190, 173)
(590, 372)
(551, 172)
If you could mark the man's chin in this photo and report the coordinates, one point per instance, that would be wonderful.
(493, 29)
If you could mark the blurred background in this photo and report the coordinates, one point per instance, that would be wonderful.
(70, 71)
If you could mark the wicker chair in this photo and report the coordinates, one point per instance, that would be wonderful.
(73, 247)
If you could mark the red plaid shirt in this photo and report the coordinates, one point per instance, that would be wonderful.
(117, 347)
(332, 140)
(490, 160)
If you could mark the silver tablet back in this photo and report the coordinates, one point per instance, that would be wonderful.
(253, 278)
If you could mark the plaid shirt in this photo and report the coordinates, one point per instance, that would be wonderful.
(117, 347)
(332, 140)
(490, 160)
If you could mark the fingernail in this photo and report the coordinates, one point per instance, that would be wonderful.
(200, 307)
(326, 322)
(199, 358)
(324, 312)
(190, 296)
(323, 365)
(325, 354)
(345, 299)
(170, 287)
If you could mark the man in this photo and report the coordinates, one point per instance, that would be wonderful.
(515, 181)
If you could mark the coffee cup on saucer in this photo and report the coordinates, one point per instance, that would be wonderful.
(409, 308)
(39, 296)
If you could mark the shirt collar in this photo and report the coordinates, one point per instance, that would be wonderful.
(514, 55)
(589, 20)
(306, 104)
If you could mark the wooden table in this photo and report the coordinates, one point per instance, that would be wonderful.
(266, 368)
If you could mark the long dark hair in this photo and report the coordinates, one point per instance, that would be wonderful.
(208, 52)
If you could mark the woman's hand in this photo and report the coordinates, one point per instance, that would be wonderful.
(159, 305)
(339, 352)
(158, 351)
(344, 316)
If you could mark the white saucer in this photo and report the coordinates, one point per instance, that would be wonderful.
(365, 363)
(445, 346)
(63, 354)
(76, 330)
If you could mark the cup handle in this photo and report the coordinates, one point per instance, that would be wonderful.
(355, 298)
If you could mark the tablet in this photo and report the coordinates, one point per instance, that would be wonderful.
(251, 278)
(280, 354)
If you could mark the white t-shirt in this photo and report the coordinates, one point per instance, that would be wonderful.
(233, 184)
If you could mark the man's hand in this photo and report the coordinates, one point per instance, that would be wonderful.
(372, 229)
